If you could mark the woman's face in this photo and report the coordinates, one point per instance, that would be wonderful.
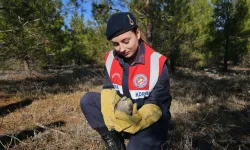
(127, 43)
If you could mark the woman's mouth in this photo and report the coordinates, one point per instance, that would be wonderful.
(125, 53)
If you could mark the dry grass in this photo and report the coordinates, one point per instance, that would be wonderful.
(44, 112)
(70, 129)
(210, 110)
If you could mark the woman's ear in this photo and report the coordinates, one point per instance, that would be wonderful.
(138, 33)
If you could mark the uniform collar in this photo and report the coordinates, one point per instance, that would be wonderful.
(140, 58)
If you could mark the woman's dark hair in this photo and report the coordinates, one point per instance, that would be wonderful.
(134, 29)
(143, 37)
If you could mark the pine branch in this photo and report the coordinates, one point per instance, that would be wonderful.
(23, 24)
(31, 21)
(11, 30)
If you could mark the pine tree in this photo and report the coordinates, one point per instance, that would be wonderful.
(25, 27)
(231, 29)
(176, 28)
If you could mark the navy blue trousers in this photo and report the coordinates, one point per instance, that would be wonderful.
(152, 138)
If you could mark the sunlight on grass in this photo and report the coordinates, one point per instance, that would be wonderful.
(206, 113)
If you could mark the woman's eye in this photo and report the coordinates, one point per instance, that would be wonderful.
(115, 44)
(126, 42)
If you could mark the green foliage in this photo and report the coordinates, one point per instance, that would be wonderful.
(179, 29)
(193, 33)
(26, 26)
(231, 30)
(101, 10)
(87, 42)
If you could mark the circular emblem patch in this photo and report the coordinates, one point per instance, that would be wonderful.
(140, 80)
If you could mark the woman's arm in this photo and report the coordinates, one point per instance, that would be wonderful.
(154, 107)
(160, 95)
(107, 83)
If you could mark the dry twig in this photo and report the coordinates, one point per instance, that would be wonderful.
(44, 127)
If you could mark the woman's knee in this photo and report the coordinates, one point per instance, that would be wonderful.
(87, 99)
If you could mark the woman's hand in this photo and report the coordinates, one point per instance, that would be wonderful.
(119, 120)
(109, 99)
(127, 111)
(140, 119)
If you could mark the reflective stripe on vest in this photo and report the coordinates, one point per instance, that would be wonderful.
(109, 61)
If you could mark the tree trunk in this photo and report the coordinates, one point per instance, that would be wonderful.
(78, 61)
(149, 23)
(225, 67)
(172, 65)
(227, 42)
(173, 57)
(26, 65)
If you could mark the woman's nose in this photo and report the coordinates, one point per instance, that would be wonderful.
(122, 48)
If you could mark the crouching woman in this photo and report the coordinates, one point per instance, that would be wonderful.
(139, 75)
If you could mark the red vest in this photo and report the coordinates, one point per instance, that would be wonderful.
(142, 77)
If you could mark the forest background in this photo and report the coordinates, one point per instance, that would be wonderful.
(192, 34)
(52, 52)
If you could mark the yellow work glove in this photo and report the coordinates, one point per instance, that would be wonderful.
(132, 119)
(140, 119)
(109, 99)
